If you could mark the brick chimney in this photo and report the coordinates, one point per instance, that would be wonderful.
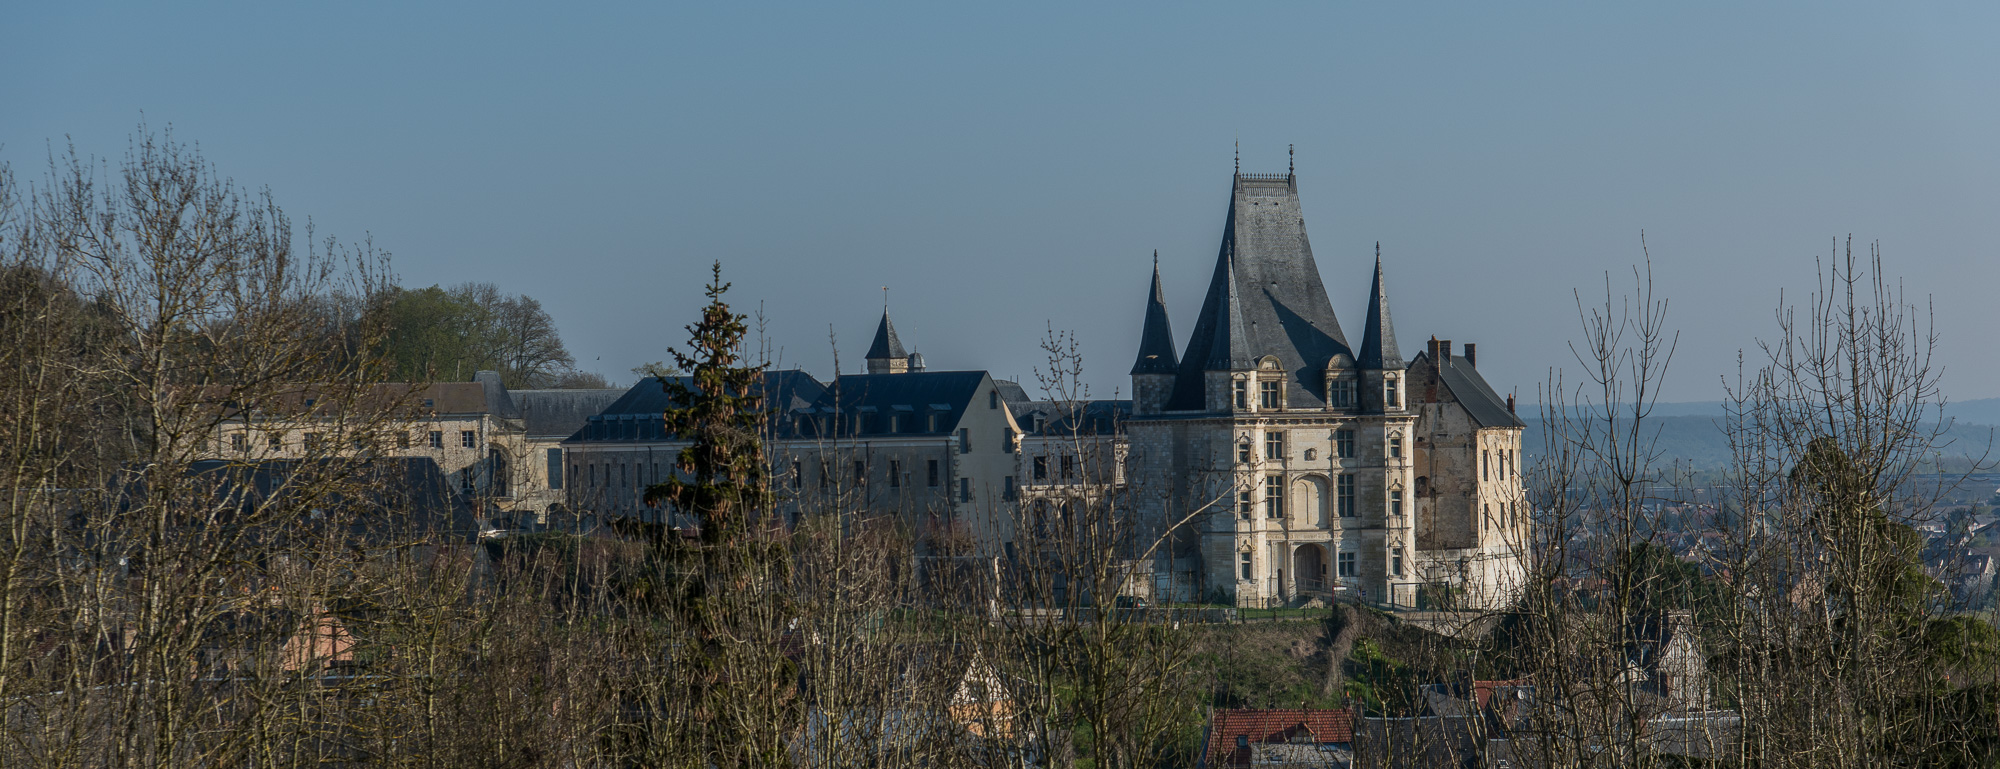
(1471, 356)
(1440, 352)
(1510, 403)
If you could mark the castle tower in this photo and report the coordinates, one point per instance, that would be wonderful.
(886, 355)
(1380, 361)
(1153, 372)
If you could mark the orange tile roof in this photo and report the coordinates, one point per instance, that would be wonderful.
(1269, 726)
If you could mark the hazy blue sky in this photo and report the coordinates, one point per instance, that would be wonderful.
(1007, 167)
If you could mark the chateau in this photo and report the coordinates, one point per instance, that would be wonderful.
(1281, 462)
(1306, 465)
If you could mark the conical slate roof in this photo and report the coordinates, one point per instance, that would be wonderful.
(886, 344)
(1156, 340)
(1378, 338)
(1280, 306)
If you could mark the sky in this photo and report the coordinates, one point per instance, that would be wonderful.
(1010, 169)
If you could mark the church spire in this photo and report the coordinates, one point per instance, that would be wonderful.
(886, 355)
(1156, 340)
(1378, 339)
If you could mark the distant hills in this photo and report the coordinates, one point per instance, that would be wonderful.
(1693, 432)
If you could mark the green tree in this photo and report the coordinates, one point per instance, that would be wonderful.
(724, 586)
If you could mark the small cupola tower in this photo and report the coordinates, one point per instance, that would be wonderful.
(1153, 372)
(886, 355)
(1380, 362)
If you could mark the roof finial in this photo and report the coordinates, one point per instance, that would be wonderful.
(1156, 258)
(885, 299)
(1239, 156)
(1291, 162)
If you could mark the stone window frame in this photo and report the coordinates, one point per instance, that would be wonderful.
(1343, 443)
(1392, 392)
(1346, 496)
(1347, 564)
(1274, 445)
(1274, 496)
(1393, 445)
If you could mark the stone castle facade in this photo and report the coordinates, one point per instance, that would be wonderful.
(1306, 467)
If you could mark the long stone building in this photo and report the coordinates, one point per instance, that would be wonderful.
(1308, 466)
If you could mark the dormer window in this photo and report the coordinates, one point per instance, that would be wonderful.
(1391, 394)
(1340, 393)
(1240, 394)
(1268, 395)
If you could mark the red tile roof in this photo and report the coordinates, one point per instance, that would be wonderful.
(1272, 726)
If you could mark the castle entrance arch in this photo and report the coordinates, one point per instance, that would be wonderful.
(1309, 565)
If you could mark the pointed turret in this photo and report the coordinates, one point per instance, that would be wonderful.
(886, 355)
(1156, 340)
(1229, 350)
(1378, 339)
(1153, 372)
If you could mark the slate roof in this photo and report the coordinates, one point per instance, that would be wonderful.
(1280, 306)
(560, 413)
(1487, 408)
(1266, 726)
(855, 396)
(803, 406)
(1010, 391)
(1054, 417)
(635, 415)
(1378, 337)
(886, 344)
(1156, 338)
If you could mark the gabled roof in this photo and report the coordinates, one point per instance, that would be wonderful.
(1263, 726)
(886, 344)
(1378, 338)
(559, 413)
(1156, 339)
(1280, 306)
(1486, 407)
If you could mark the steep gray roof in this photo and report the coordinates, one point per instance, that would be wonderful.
(560, 413)
(1378, 338)
(1280, 306)
(1156, 339)
(1487, 408)
(886, 344)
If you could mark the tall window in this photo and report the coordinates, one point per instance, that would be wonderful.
(1007, 491)
(1241, 393)
(1343, 443)
(993, 399)
(1396, 447)
(1486, 516)
(1007, 440)
(1244, 560)
(1396, 502)
(1346, 496)
(1068, 467)
(1041, 468)
(965, 489)
(1274, 497)
(555, 461)
(1485, 463)
(895, 473)
(1267, 395)
(931, 472)
(860, 472)
(1243, 452)
(1396, 562)
(1341, 394)
(1349, 564)
(798, 473)
(965, 440)
(1391, 398)
(1243, 503)
(1274, 444)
